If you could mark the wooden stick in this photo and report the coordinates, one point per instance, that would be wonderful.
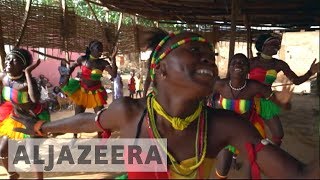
(24, 24)
(118, 32)
(93, 13)
(292, 83)
(2, 51)
(53, 57)
(247, 24)
(233, 31)
(65, 36)
(94, 3)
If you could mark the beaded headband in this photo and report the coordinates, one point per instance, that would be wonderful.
(155, 60)
(20, 55)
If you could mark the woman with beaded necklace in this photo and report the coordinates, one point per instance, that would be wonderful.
(264, 68)
(237, 94)
(182, 70)
(19, 88)
(89, 92)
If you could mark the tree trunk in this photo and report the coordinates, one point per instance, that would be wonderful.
(233, 31)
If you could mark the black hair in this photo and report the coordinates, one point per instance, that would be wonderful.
(63, 61)
(262, 39)
(25, 53)
(56, 89)
(240, 55)
(92, 44)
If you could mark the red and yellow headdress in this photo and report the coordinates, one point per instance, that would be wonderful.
(156, 59)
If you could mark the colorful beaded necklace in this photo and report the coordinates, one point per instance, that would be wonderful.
(200, 143)
(155, 60)
(176, 122)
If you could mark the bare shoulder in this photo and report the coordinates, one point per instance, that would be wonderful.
(81, 59)
(2, 75)
(127, 108)
(253, 59)
(104, 62)
(220, 83)
(279, 62)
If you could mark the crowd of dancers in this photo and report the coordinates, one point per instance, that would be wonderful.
(183, 74)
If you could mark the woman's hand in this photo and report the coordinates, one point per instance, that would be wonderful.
(284, 96)
(32, 66)
(27, 121)
(314, 67)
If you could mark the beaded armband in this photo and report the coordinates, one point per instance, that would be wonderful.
(270, 95)
(105, 132)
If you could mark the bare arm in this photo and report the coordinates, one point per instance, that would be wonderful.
(272, 161)
(112, 69)
(32, 84)
(282, 98)
(218, 85)
(298, 79)
(111, 119)
(74, 65)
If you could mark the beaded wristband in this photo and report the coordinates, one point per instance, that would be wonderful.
(270, 95)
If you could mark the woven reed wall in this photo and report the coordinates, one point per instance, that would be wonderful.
(45, 28)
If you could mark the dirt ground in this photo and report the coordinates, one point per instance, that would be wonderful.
(301, 126)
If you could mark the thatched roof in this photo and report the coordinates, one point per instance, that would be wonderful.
(207, 16)
(292, 14)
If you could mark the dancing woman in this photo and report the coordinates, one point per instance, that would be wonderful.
(264, 68)
(20, 89)
(237, 94)
(89, 92)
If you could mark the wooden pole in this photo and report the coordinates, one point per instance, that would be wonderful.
(234, 7)
(249, 38)
(93, 13)
(2, 51)
(136, 29)
(118, 32)
(24, 24)
(65, 29)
